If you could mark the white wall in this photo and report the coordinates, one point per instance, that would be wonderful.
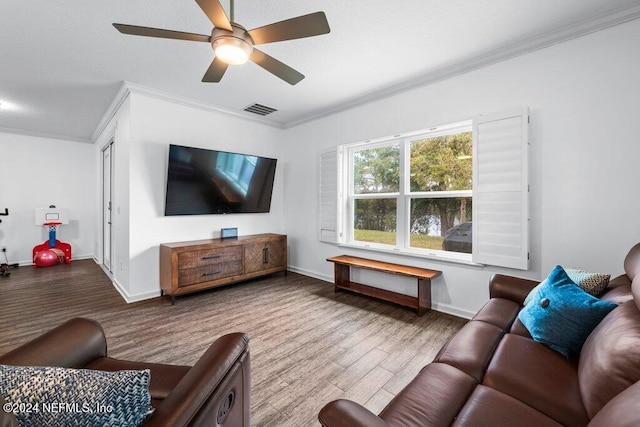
(154, 125)
(583, 96)
(118, 131)
(36, 172)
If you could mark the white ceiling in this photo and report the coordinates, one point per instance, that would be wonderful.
(62, 63)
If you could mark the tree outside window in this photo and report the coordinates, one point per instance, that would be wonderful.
(376, 185)
(440, 173)
(414, 192)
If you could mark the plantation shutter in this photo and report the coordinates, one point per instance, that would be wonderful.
(501, 189)
(328, 231)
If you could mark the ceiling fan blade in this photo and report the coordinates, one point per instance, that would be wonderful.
(214, 11)
(215, 72)
(310, 25)
(276, 67)
(157, 32)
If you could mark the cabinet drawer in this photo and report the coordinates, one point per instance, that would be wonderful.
(207, 257)
(209, 272)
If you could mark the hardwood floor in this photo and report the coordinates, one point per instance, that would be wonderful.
(308, 344)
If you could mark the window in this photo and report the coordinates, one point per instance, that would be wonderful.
(440, 185)
(412, 193)
(457, 192)
(375, 178)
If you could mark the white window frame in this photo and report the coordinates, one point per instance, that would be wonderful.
(403, 197)
(489, 247)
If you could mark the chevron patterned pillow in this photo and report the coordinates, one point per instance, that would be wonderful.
(60, 397)
(592, 283)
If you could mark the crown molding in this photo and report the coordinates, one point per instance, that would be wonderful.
(190, 102)
(44, 135)
(508, 51)
(127, 87)
(111, 111)
(581, 28)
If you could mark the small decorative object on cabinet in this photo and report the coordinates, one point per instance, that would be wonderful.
(201, 264)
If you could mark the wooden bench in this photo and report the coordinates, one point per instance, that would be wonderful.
(342, 267)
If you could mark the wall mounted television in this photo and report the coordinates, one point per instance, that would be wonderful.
(202, 182)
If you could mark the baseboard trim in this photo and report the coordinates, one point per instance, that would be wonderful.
(311, 274)
(142, 297)
(129, 299)
(122, 291)
(454, 311)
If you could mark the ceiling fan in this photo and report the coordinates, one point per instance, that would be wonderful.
(234, 45)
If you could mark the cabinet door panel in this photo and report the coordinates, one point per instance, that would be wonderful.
(253, 257)
(264, 256)
(276, 254)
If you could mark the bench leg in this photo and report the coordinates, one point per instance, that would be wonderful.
(341, 276)
(424, 296)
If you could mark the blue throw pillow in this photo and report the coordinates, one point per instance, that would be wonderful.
(561, 315)
(60, 397)
(593, 283)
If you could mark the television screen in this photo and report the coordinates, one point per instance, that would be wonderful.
(201, 182)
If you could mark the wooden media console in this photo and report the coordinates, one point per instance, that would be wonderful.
(342, 267)
(201, 264)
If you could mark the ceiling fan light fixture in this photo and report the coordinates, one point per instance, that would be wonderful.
(233, 44)
(232, 50)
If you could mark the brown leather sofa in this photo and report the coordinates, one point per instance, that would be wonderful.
(491, 373)
(181, 395)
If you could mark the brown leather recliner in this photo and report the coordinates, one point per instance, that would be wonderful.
(181, 395)
(492, 373)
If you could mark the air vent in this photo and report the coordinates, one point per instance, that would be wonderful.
(259, 109)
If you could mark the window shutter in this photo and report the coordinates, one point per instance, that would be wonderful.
(501, 189)
(328, 231)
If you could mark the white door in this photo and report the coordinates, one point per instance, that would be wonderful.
(107, 166)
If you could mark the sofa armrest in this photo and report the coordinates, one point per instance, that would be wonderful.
(74, 344)
(510, 287)
(222, 376)
(345, 413)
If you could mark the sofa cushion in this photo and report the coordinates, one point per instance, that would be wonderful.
(433, 397)
(632, 262)
(490, 408)
(471, 348)
(562, 315)
(617, 294)
(539, 377)
(519, 329)
(621, 411)
(500, 312)
(54, 396)
(610, 358)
